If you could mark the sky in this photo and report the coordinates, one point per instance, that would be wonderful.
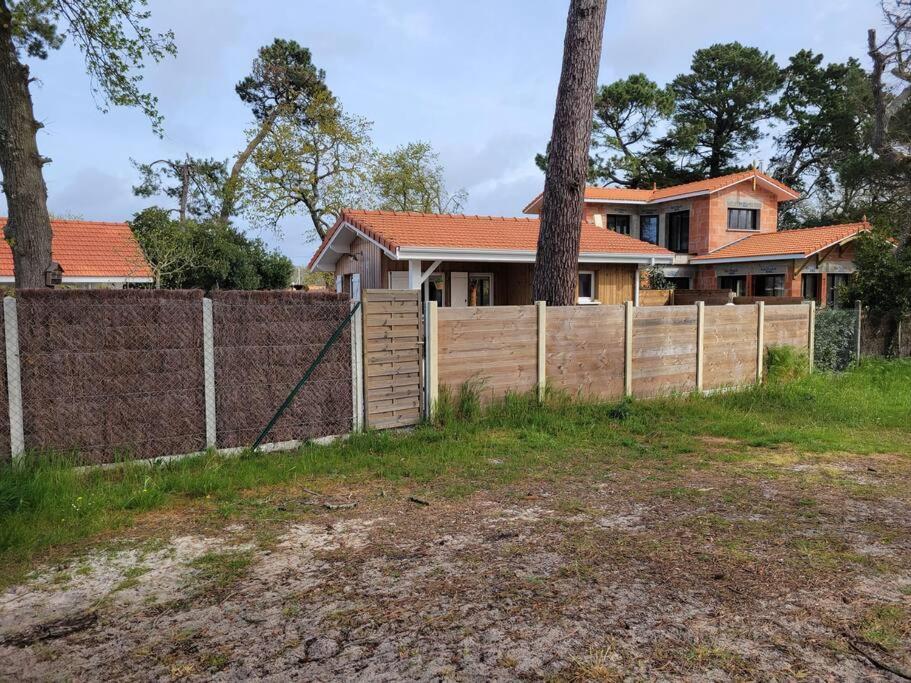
(476, 79)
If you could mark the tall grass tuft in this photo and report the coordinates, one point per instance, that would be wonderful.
(786, 364)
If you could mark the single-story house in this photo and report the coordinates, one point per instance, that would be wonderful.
(92, 254)
(462, 260)
(807, 262)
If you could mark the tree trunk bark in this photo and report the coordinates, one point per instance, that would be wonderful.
(557, 259)
(28, 226)
(229, 201)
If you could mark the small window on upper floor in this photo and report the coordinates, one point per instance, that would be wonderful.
(618, 223)
(743, 219)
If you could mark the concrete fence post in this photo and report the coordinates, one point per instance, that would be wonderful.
(760, 339)
(541, 310)
(858, 307)
(208, 357)
(431, 358)
(628, 348)
(13, 379)
(811, 335)
(357, 369)
(700, 343)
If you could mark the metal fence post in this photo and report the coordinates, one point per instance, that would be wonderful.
(357, 371)
(628, 348)
(700, 341)
(541, 310)
(858, 306)
(431, 359)
(13, 379)
(811, 335)
(760, 339)
(208, 356)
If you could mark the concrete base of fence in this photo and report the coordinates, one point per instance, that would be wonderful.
(227, 452)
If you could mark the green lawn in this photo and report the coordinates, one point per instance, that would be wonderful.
(49, 509)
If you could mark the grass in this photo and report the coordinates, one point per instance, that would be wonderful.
(48, 507)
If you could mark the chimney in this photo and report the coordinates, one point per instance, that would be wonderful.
(599, 219)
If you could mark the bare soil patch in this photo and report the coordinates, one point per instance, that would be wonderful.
(770, 570)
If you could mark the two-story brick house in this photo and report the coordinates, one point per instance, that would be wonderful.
(724, 234)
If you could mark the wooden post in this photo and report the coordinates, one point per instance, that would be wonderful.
(811, 335)
(541, 308)
(432, 359)
(13, 380)
(700, 338)
(628, 349)
(860, 314)
(760, 339)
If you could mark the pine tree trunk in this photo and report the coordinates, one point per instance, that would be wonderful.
(28, 227)
(567, 167)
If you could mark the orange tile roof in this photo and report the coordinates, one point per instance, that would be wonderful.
(89, 249)
(404, 229)
(623, 194)
(799, 243)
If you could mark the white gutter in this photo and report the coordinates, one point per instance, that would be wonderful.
(90, 280)
(521, 256)
(746, 259)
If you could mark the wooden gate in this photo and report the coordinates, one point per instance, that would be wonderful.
(393, 358)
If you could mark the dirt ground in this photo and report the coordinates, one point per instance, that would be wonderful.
(778, 568)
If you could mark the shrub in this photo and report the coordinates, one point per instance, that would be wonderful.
(835, 338)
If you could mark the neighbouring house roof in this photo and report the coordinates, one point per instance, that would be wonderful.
(89, 251)
(429, 236)
(700, 187)
(785, 244)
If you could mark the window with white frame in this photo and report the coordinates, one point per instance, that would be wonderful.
(586, 286)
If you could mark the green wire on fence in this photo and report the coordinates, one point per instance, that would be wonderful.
(303, 380)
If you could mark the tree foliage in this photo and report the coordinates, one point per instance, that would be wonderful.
(112, 35)
(883, 278)
(411, 178)
(721, 103)
(207, 254)
(196, 184)
(314, 165)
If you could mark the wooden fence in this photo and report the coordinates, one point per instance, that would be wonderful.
(607, 352)
(393, 357)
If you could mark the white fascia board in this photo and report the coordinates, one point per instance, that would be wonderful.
(318, 265)
(114, 280)
(517, 256)
(747, 259)
(615, 201)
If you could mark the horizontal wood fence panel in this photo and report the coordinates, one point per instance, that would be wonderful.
(585, 350)
(493, 346)
(393, 357)
(787, 325)
(730, 346)
(664, 350)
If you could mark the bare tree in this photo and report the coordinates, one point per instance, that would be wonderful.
(891, 56)
(567, 166)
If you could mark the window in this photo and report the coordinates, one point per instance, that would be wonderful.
(735, 283)
(648, 229)
(435, 289)
(809, 287)
(833, 296)
(586, 287)
(679, 282)
(678, 231)
(768, 285)
(618, 224)
(743, 219)
(480, 289)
